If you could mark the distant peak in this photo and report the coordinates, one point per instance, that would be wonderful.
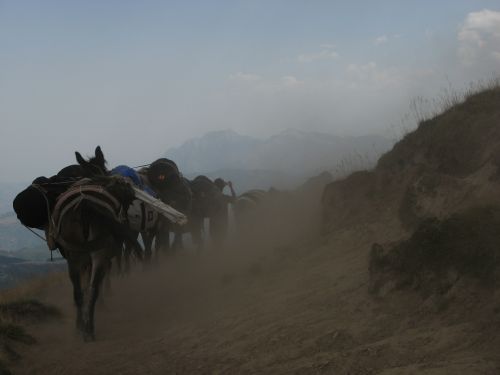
(222, 132)
(292, 132)
(227, 134)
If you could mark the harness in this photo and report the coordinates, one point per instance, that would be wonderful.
(70, 200)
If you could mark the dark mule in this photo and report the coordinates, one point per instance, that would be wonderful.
(246, 205)
(249, 201)
(208, 202)
(89, 233)
(90, 229)
(181, 198)
(219, 226)
(163, 177)
(141, 219)
(84, 219)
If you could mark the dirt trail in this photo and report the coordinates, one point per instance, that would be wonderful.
(303, 310)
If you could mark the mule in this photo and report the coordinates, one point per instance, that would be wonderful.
(89, 229)
(86, 219)
(208, 202)
(141, 219)
(163, 177)
(246, 206)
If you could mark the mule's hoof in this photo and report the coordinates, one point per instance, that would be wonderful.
(88, 337)
(80, 326)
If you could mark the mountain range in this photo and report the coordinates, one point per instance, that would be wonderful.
(283, 160)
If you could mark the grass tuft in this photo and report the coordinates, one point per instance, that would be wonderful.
(421, 109)
(15, 333)
(28, 310)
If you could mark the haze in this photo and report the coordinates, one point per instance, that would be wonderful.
(140, 77)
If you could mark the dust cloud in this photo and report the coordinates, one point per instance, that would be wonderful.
(178, 297)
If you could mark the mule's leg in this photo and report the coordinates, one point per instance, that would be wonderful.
(156, 242)
(74, 270)
(163, 239)
(178, 244)
(196, 230)
(123, 259)
(147, 239)
(127, 254)
(107, 277)
(119, 260)
(100, 263)
(162, 233)
(133, 248)
(217, 230)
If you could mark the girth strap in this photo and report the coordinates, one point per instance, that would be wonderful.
(87, 247)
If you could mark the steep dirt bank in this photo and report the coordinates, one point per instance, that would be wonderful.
(450, 163)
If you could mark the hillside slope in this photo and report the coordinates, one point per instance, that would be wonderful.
(448, 164)
(287, 300)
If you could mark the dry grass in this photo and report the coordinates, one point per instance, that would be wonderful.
(27, 310)
(447, 149)
(423, 109)
(453, 142)
(32, 288)
(352, 163)
(19, 306)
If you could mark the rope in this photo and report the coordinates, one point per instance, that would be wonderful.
(71, 181)
(35, 233)
(49, 217)
(42, 238)
(141, 166)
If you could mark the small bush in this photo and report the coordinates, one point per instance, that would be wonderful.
(16, 333)
(3, 369)
(27, 310)
(12, 333)
(441, 251)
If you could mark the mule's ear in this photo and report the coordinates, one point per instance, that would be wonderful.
(80, 159)
(99, 155)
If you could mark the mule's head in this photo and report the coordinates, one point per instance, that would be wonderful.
(95, 166)
(207, 197)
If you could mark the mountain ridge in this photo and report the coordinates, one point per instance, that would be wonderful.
(296, 152)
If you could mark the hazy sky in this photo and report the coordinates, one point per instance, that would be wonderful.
(138, 77)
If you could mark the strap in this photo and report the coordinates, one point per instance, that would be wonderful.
(70, 200)
(94, 193)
